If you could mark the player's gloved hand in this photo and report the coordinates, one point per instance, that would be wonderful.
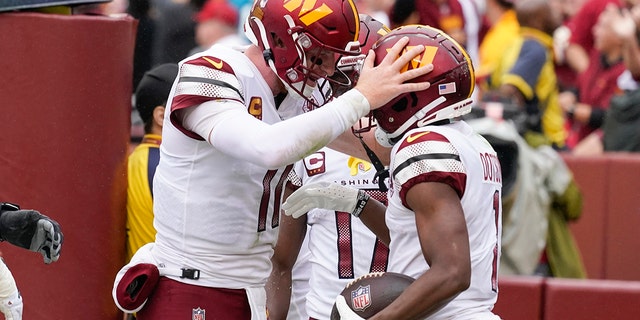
(325, 195)
(345, 312)
(10, 299)
(31, 230)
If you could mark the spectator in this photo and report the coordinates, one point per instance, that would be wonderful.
(525, 74)
(217, 22)
(141, 10)
(472, 27)
(620, 128)
(446, 15)
(502, 30)
(403, 12)
(597, 84)
(174, 35)
(581, 41)
(228, 143)
(150, 101)
(567, 76)
(540, 198)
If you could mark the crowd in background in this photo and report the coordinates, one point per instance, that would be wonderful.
(565, 93)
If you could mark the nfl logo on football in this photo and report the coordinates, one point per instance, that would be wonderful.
(361, 298)
(197, 314)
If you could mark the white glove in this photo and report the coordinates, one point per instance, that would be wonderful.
(10, 299)
(325, 195)
(345, 312)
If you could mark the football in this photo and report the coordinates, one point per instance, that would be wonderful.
(370, 293)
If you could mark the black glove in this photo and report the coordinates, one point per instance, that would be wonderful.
(31, 230)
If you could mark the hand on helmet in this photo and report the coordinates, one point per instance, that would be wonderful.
(325, 195)
(31, 230)
(391, 70)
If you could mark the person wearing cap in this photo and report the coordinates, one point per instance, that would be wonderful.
(217, 22)
(150, 100)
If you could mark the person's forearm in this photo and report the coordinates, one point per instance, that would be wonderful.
(631, 57)
(278, 294)
(373, 217)
(577, 58)
(283, 143)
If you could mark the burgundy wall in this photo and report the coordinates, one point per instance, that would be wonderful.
(65, 101)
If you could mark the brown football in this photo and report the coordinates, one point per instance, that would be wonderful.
(370, 293)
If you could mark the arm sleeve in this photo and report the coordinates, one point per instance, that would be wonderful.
(234, 132)
(7, 283)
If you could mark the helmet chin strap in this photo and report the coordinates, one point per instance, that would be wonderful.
(382, 173)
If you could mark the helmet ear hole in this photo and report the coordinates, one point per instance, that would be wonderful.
(277, 41)
(401, 104)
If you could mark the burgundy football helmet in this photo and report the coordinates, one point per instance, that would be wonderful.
(452, 82)
(348, 68)
(296, 35)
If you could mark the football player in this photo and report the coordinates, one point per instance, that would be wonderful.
(227, 148)
(337, 248)
(31, 230)
(443, 218)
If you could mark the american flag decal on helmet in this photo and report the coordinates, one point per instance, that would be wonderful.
(197, 314)
(361, 298)
(447, 88)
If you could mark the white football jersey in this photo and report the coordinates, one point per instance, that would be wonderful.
(221, 216)
(455, 155)
(341, 246)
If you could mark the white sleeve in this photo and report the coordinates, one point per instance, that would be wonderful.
(10, 299)
(233, 131)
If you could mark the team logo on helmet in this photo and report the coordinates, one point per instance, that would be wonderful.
(310, 12)
(425, 58)
(361, 298)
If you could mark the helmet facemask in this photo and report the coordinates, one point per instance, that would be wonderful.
(300, 51)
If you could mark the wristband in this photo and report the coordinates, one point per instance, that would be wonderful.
(7, 206)
(363, 198)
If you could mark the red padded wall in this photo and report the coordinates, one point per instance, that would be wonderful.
(520, 297)
(622, 259)
(591, 299)
(65, 99)
(591, 175)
